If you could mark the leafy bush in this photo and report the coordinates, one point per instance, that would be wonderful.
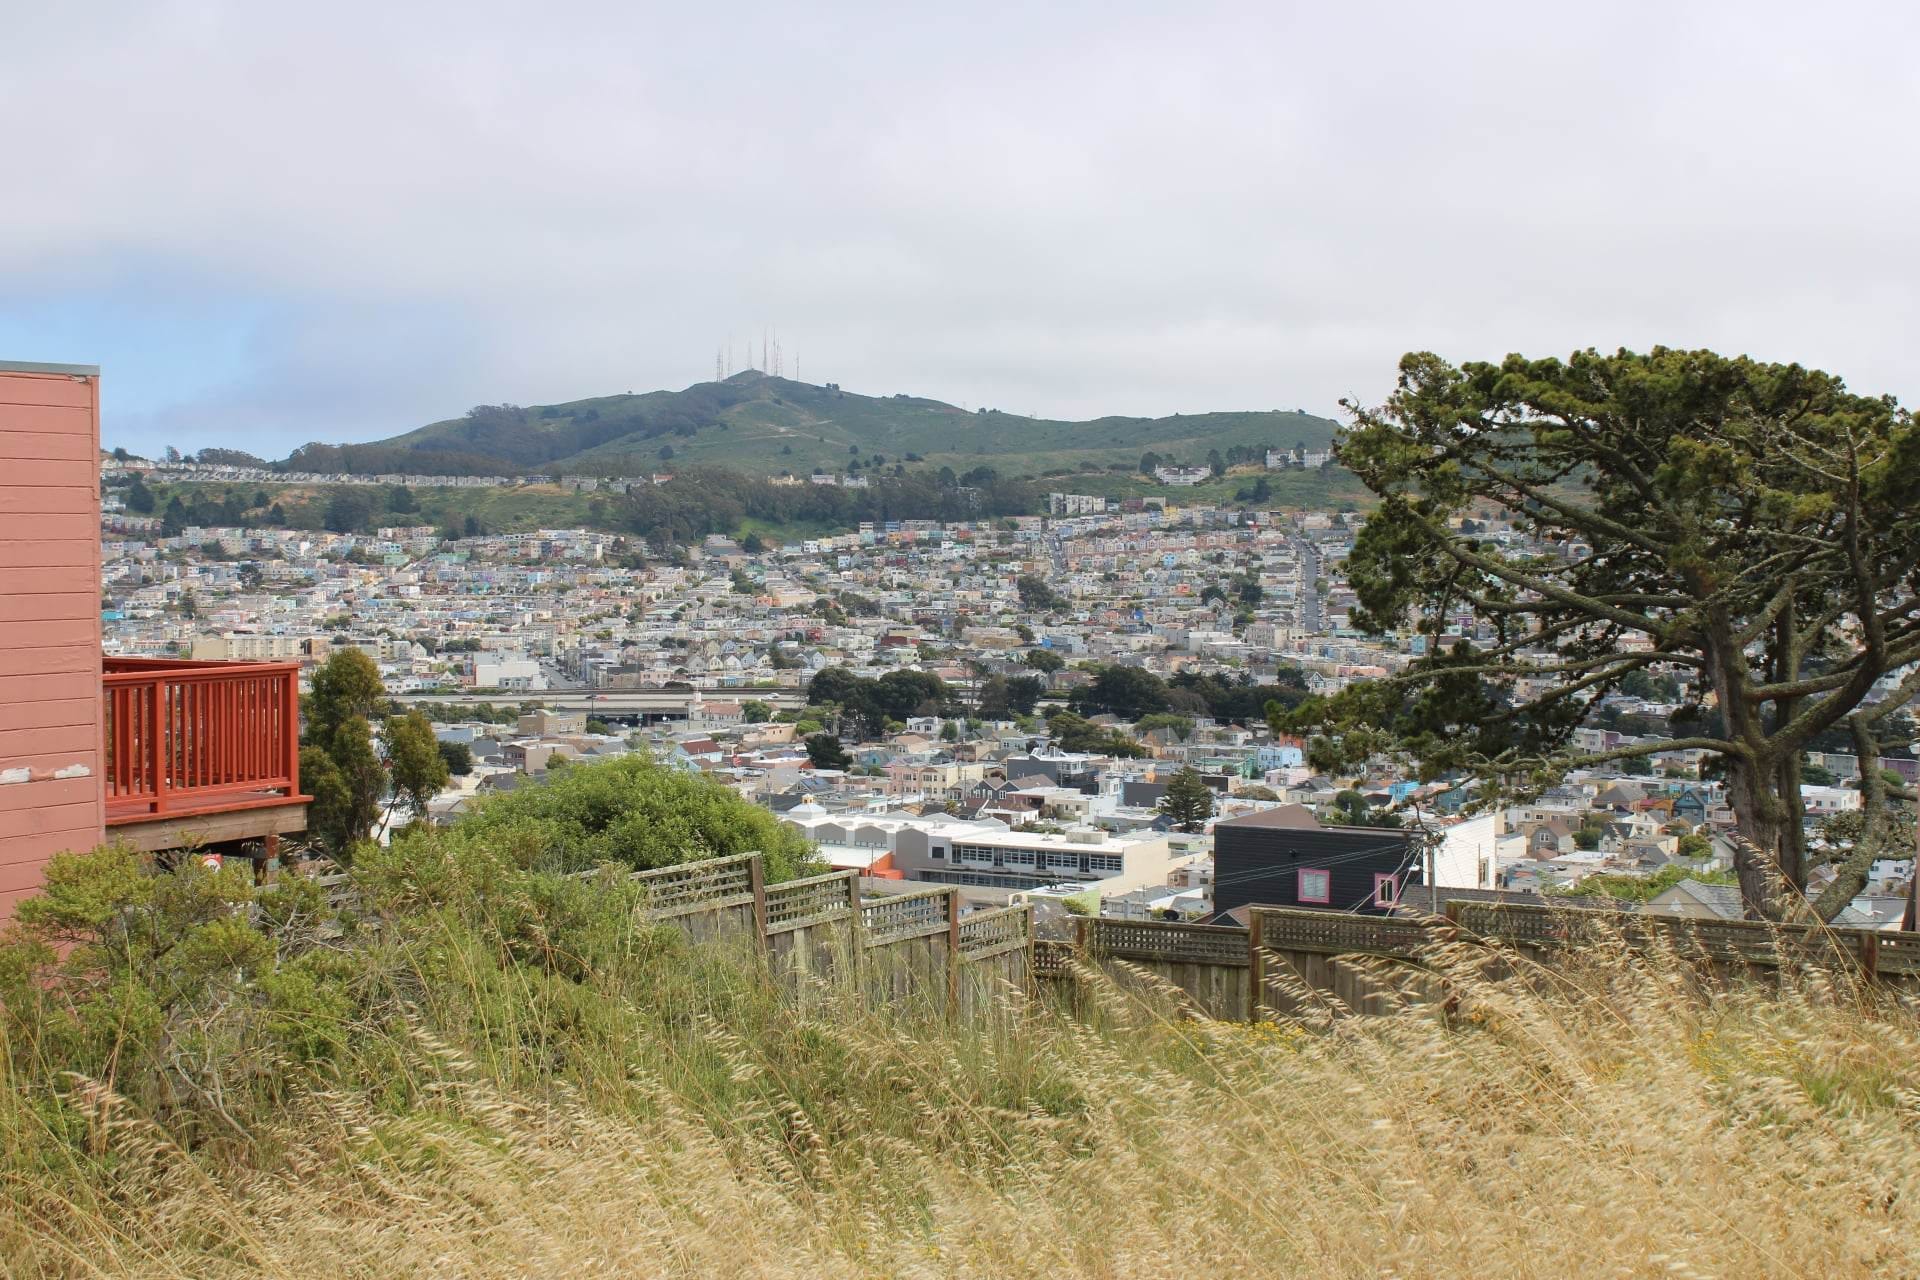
(634, 813)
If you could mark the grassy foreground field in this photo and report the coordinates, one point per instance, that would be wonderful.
(512, 1077)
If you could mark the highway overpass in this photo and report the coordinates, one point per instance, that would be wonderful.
(622, 703)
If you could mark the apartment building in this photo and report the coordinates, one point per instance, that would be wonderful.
(243, 646)
(987, 854)
(984, 853)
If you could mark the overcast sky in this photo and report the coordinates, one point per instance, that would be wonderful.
(277, 223)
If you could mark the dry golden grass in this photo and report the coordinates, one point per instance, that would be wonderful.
(1609, 1120)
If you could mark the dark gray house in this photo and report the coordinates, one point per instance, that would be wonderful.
(1282, 857)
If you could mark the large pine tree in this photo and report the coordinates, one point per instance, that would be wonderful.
(1189, 801)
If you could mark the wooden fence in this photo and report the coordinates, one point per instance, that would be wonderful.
(916, 947)
(1316, 962)
(920, 948)
(1724, 947)
(1211, 965)
(1292, 962)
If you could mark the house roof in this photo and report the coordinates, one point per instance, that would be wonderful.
(1418, 900)
(1620, 795)
(1294, 816)
(1723, 900)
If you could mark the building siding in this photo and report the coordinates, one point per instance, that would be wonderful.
(52, 794)
(1255, 864)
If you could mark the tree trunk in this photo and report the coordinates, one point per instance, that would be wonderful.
(1766, 857)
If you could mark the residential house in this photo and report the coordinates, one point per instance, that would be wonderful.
(1283, 857)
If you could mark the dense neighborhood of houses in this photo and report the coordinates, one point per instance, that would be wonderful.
(981, 791)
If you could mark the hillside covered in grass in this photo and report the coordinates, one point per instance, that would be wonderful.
(766, 425)
(488, 1068)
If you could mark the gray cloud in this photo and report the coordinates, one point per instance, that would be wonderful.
(1088, 209)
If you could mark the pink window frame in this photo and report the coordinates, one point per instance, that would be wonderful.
(1300, 885)
(1393, 884)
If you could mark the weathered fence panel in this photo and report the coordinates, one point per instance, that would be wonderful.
(993, 957)
(1292, 962)
(1209, 964)
(707, 898)
(1312, 963)
(907, 942)
(811, 928)
(910, 948)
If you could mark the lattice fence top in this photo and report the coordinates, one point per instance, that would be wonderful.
(1052, 958)
(906, 915)
(1514, 924)
(709, 885)
(1337, 933)
(1167, 942)
(795, 904)
(1750, 941)
(989, 933)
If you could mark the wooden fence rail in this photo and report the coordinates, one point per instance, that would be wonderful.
(986, 934)
(714, 884)
(905, 916)
(816, 900)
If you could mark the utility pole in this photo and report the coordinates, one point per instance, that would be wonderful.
(1912, 920)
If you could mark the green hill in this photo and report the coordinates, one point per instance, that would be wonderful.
(767, 425)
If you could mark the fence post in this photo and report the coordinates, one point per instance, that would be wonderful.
(290, 731)
(160, 746)
(953, 953)
(757, 880)
(1870, 954)
(855, 925)
(1032, 984)
(1256, 969)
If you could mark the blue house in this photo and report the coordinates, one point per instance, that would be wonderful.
(1274, 755)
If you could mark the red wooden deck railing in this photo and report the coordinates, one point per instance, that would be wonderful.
(187, 738)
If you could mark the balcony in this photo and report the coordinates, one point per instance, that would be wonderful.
(201, 752)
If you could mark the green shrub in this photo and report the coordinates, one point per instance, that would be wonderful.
(637, 814)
